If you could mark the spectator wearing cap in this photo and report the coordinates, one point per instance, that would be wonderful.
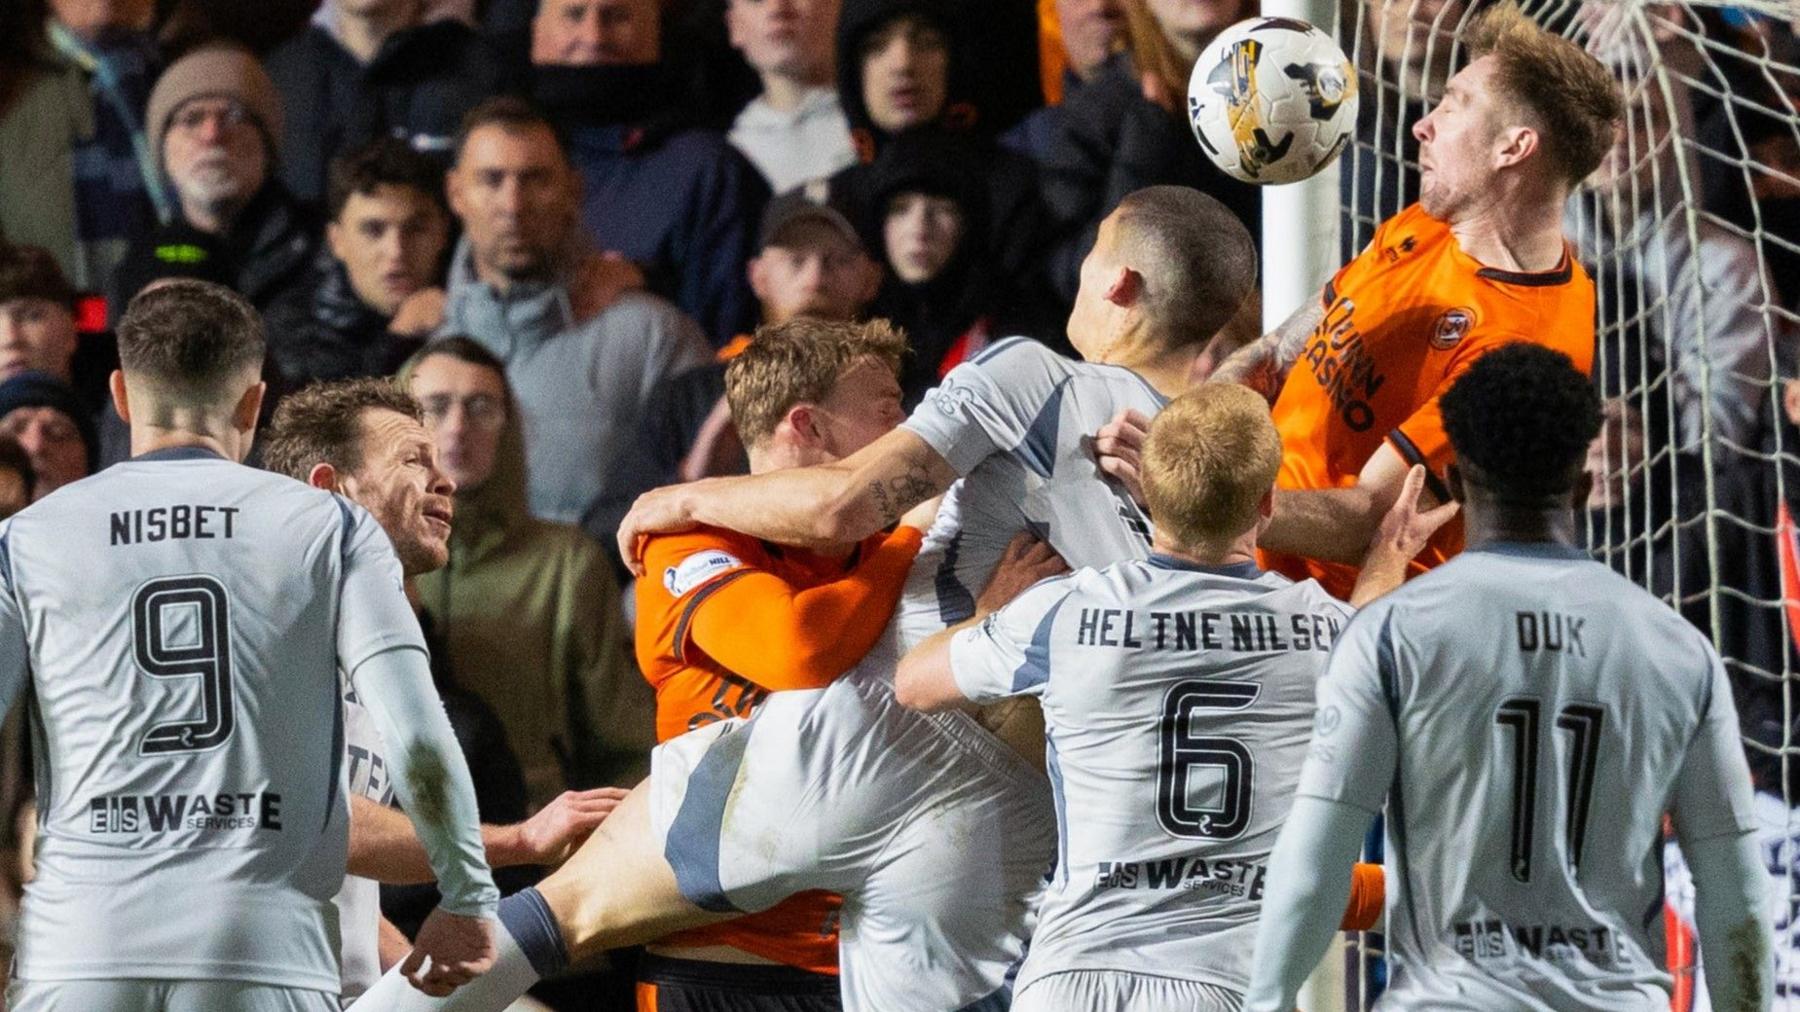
(794, 131)
(375, 296)
(583, 359)
(810, 262)
(47, 419)
(79, 176)
(678, 201)
(904, 68)
(215, 123)
(377, 68)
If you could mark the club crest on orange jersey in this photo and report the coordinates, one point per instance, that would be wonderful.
(1451, 328)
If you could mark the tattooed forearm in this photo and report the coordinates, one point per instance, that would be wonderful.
(892, 497)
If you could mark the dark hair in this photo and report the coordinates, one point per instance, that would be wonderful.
(384, 161)
(509, 113)
(1197, 260)
(14, 458)
(323, 424)
(459, 347)
(30, 272)
(1522, 416)
(190, 337)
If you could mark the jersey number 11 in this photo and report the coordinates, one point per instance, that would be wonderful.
(1583, 721)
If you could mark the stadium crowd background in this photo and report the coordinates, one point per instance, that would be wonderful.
(715, 165)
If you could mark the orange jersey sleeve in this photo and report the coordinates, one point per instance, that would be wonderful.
(724, 619)
(1368, 894)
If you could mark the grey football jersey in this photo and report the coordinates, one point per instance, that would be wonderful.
(181, 620)
(1178, 704)
(1017, 423)
(366, 772)
(1544, 713)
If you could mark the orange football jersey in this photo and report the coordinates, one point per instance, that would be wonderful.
(1402, 321)
(724, 619)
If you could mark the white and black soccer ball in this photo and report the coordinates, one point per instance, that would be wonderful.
(1272, 100)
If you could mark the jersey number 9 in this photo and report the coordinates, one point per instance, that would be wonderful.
(201, 650)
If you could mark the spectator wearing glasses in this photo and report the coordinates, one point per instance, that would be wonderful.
(215, 125)
(527, 609)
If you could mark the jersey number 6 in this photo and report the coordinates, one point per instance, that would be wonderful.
(1583, 721)
(1183, 753)
(199, 648)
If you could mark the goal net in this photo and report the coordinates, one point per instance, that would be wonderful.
(1691, 231)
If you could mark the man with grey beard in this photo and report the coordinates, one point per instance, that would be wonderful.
(214, 124)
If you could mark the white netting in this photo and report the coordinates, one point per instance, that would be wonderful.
(1691, 231)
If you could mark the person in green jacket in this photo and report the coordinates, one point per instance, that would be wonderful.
(528, 608)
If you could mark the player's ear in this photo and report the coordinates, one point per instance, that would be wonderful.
(1453, 483)
(1584, 487)
(1265, 507)
(805, 422)
(323, 476)
(249, 408)
(1515, 144)
(121, 400)
(1126, 288)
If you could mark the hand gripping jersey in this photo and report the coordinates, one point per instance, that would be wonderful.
(1178, 705)
(1402, 321)
(1545, 712)
(182, 620)
(723, 619)
(937, 835)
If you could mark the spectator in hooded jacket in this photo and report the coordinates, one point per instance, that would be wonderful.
(381, 69)
(376, 294)
(1127, 129)
(902, 70)
(582, 365)
(527, 609)
(794, 131)
(215, 124)
(79, 174)
(679, 202)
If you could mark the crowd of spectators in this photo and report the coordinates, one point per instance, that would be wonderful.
(556, 220)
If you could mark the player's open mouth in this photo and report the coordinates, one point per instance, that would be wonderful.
(438, 515)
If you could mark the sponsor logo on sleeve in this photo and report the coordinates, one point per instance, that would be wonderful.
(696, 569)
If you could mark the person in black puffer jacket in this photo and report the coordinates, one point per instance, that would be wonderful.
(375, 296)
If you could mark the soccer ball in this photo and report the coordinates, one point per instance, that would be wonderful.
(1272, 100)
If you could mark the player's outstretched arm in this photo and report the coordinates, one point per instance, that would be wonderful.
(1263, 364)
(1714, 820)
(828, 504)
(927, 676)
(432, 781)
(1338, 524)
(1402, 534)
(384, 846)
(1309, 882)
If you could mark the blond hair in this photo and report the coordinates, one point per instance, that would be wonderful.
(1565, 90)
(1209, 459)
(799, 361)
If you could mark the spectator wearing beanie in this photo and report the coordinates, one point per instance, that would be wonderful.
(215, 123)
(45, 416)
(383, 68)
